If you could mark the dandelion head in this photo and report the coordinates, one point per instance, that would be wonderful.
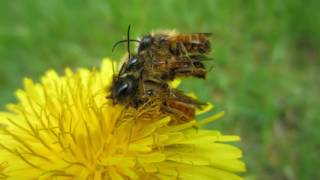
(65, 128)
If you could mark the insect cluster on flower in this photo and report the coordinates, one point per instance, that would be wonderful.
(159, 59)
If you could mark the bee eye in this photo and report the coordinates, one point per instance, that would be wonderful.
(132, 63)
(125, 87)
(145, 42)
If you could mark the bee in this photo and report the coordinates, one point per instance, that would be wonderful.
(177, 44)
(168, 55)
(143, 78)
(124, 89)
(135, 92)
(173, 102)
(127, 82)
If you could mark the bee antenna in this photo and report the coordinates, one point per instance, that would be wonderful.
(122, 41)
(114, 77)
(128, 42)
(113, 69)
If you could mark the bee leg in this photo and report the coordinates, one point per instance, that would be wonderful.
(196, 72)
(190, 58)
(197, 63)
(182, 49)
(178, 49)
(136, 103)
(199, 58)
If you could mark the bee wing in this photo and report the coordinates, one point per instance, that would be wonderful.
(180, 96)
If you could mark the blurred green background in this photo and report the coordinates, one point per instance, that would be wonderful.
(266, 67)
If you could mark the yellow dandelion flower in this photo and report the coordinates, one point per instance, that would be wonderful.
(64, 128)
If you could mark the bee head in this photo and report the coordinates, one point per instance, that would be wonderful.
(134, 64)
(145, 42)
(123, 88)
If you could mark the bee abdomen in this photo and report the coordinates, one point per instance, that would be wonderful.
(191, 43)
(181, 110)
